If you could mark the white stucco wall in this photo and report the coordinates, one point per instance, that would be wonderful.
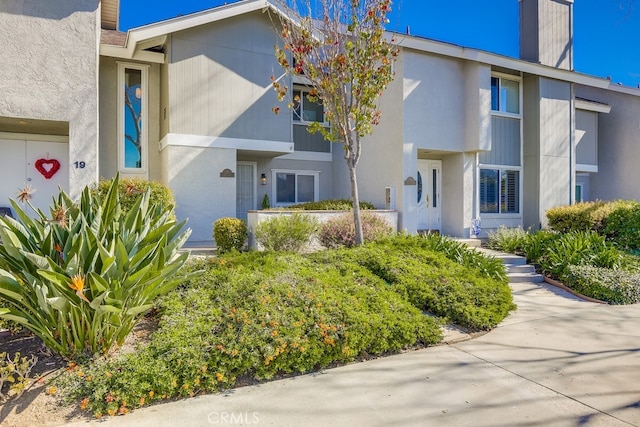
(434, 101)
(202, 195)
(49, 71)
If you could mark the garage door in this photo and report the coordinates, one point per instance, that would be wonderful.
(43, 165)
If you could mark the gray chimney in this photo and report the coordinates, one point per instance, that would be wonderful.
(546, 32)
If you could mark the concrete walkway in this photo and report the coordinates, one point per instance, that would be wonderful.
(556, 361)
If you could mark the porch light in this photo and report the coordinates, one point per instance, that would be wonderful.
(263, 179)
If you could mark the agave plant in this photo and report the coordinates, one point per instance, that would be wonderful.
(82, 278)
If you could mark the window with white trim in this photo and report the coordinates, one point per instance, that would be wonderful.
(291, 187)
(305, 112)
(499, 191)
(132, 118)
(505, 95)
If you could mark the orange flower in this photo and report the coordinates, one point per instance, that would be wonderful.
(77, 284)
(141, 402)
(24, 194)
(219, 376)
(60, 217)
(84, 403)
(151, 393)
(52, 390)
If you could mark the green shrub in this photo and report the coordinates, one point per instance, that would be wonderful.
(331, 205)
(536, 245)
(81, 279)
(131, 189)
(340, 231)
(5, 324)
(266, 203)
(579, 248)
(229, 233)
(575, 217)
(254, 315)
(511, 240)
(612, 286)
(286, 232)
(623, 226)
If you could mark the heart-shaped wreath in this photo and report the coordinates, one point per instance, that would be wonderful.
(47, 167)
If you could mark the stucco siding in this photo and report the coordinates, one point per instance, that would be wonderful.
(54, 75)
(458, 194)
(586, 138)
(434, 101)
(618, 145)
(219, 81)
(202, 195)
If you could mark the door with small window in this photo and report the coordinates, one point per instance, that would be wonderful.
(429, 195)
(245, 189)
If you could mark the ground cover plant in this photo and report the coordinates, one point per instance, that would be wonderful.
(252, 316)
(583, 260)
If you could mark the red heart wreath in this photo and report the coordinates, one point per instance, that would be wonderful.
(47, 172)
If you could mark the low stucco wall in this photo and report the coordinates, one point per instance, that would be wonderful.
(254, 217)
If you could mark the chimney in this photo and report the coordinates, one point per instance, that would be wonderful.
(546, 32)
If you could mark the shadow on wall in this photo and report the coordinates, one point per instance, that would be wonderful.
(47, 9)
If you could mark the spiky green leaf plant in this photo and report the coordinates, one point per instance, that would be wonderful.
(81, 278)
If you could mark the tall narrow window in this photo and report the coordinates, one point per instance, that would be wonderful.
(132, 119)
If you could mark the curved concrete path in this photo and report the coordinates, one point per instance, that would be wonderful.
(556, 361)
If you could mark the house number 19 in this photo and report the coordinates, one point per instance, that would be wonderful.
(80, 165)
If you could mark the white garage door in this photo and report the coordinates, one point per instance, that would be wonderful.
(43, 165)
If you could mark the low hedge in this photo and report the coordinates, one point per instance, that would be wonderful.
(618, 221)
(330, 205)
(612, 286)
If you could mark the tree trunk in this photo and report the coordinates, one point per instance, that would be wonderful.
(356, 204)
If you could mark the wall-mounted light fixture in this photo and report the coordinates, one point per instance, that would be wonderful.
(263, 179)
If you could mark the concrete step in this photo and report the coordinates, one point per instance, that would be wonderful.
(520, 268)
(525, 277)
(510, 259)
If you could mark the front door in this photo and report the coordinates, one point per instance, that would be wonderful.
(42, 165)
(245, 189)
(429, 201)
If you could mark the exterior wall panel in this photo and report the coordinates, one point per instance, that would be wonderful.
(618, 144)
(50, 72)
(505, 142)
(586, 137)
(219, 80)
(434, 102)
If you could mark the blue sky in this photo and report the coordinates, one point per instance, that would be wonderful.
(606, 32)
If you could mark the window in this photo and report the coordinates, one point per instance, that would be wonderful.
(499, 191)
(579, 193)
(295, 187)
(305, 110)
(505, 95)
(132, 119)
